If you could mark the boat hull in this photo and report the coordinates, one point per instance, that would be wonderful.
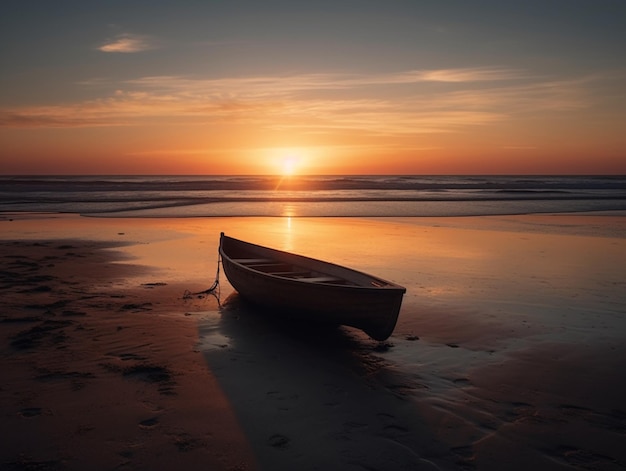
(354, 299)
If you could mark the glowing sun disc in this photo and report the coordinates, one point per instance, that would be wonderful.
(289, 165)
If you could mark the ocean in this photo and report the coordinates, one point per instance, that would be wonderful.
(311, 196)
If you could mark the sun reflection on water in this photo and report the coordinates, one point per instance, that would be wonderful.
(289, 210)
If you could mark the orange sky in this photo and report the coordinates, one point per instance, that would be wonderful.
(214, 89)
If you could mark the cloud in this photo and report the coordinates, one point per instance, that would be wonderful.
(476, 74)
(399, 103)
(288, 84)
(128, 43)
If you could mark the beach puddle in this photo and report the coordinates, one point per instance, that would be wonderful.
(209, 332)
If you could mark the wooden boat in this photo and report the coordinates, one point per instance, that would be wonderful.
(310, 290)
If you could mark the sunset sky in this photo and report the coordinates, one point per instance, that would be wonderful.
(321, 87)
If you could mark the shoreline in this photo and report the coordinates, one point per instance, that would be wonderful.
(507, 352)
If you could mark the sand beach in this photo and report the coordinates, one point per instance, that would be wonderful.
(508, 354)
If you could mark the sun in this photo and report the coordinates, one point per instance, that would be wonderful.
(289, 165)
(286, 161)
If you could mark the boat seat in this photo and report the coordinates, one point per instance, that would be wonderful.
(290, 274)
(252, 261)
(321, 279)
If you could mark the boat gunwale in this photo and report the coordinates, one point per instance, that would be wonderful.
(388, 285)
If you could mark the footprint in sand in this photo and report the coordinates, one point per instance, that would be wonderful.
(150, 423)
(30, 412)
(185, 442)
(136, 307)
(127, 356)
(278, 441)
(462, 381)
(148, 373)
(391, 428)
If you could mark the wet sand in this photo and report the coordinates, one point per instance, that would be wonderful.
(508, 354)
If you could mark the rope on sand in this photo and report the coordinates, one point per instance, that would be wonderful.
(214, 289)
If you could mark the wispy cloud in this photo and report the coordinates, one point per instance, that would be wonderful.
(391, 104)
(288, 84)
(128, 43)
(121, 109)
(476, 74)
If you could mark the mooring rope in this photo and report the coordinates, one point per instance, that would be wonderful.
(214, 287)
